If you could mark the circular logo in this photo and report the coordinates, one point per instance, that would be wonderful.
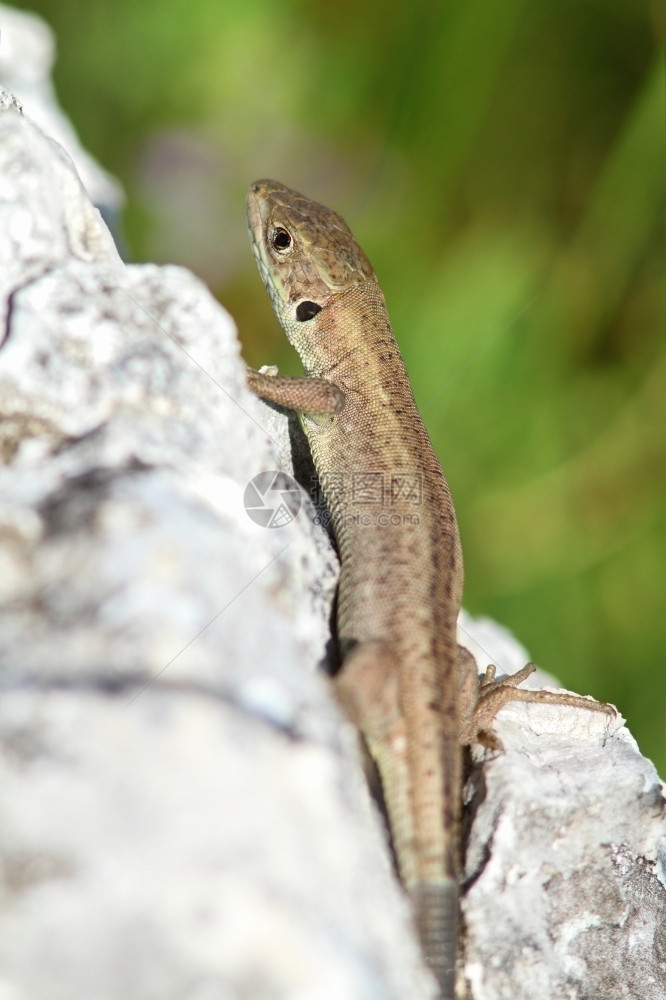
(272, 499)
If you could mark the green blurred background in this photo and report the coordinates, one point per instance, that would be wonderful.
(503, 166)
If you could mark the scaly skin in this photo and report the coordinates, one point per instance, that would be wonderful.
(401, 582)
(411, 691)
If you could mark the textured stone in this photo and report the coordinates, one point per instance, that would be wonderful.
(182, 811)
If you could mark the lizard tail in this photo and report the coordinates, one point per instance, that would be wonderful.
(436, 908)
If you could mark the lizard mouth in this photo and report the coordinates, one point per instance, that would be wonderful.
(257, 209)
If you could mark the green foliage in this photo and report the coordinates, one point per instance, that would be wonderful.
(503, 166)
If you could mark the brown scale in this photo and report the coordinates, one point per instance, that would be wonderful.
(412, 692)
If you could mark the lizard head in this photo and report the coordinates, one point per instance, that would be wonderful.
(306, 253)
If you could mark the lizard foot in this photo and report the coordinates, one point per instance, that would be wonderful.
(482, 700)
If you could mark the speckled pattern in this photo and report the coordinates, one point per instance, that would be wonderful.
(412, 692)
(326, 258)
(394, 522)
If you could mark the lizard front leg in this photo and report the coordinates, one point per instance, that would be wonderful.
(309, 395)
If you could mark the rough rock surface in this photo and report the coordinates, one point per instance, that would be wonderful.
(182, 813)
(565, 866)
(177, 791)
(27, 54)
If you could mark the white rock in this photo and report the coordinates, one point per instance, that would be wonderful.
(27, 54)
(564, 865)
(181, 809)
(182, 812)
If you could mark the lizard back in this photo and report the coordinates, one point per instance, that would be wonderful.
(401, 564)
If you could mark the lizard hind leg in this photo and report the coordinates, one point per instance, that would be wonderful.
(366, 687)
(481, 700)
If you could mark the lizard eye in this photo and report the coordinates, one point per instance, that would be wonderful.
(306, 310)
(280, 239)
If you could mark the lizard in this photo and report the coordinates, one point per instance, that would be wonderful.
(411, 691)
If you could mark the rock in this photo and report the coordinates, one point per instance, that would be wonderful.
(182, 811)
(565, 862)
(182, 808)
(27, 54)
